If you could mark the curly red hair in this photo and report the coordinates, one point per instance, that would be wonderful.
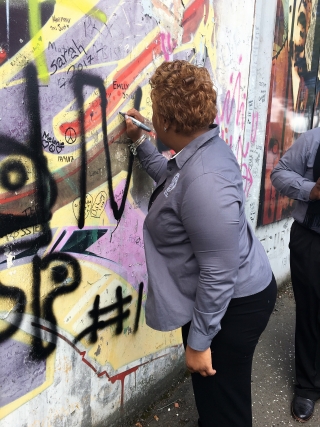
(184, 95)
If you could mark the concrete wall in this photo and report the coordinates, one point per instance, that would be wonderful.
(74, 346)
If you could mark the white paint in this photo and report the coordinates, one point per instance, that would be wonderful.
(10, 257)
(8, 20)
(258, 95)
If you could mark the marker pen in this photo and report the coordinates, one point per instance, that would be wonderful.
(135, 121)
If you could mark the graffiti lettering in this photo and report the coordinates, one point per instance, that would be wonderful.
(117, 320)
(99, 204)
(81, 80)
(60, 19)
(65, 271)
(51, 143)
(65, 159)
(73, 69)
(59, 27)
(122, 86)
(66, 276)
(13, 175)
(90, 24)
(69, 54)
(96, 312)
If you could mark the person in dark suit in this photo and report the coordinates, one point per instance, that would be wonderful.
(297, 176)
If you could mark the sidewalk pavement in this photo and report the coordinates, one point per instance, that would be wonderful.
(272, 380)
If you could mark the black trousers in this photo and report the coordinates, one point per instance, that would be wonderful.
(224, 399)
(305, 276)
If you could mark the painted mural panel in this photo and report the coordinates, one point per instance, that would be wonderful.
(292, 93)
(73, 280)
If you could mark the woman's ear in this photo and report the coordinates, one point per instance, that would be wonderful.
(166, 123)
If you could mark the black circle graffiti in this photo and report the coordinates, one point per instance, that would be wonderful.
(59, 273)
(13, 175)
(70, 135)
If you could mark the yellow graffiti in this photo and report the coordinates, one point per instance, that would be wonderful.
(41, 36)
(37, 40)
(86, 7)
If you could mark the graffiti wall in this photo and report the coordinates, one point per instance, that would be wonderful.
(293, 108)
(293, 102)
(74, 346)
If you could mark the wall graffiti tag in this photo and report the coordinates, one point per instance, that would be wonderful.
(73, 278)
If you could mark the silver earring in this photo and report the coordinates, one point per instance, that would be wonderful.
(165, 129)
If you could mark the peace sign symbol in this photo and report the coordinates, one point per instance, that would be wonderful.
(70, 135)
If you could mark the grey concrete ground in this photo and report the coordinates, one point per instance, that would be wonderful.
(272, 380)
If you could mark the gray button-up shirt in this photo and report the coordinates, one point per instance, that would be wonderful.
(293, 175)
(200, 249)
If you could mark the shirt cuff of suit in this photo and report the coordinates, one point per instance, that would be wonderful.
(305, 190)
(199, 341)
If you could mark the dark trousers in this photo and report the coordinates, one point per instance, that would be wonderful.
(224, 400)
(305, 276)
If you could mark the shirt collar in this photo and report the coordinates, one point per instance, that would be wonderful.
(189, 150)
(177, 154)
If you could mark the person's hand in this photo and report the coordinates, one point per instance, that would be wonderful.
(133, 131)
(315, 192)
(199, 361)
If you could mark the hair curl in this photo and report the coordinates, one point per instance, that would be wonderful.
(184, 95)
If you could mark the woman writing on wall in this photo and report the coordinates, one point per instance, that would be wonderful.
(207, 271)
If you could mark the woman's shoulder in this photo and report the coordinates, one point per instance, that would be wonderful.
(218, 157)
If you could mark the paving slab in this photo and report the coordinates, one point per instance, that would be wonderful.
(272, 380)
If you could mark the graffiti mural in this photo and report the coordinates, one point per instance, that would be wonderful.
(74, 345)
(73, 280)
(293, 95)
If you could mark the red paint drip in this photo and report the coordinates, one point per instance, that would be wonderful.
(121, 377)
(118, 377)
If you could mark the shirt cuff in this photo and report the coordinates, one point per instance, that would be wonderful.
(145, 149)
(305, 190)
(199, 341)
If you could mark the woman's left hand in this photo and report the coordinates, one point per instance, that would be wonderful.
(199, 361)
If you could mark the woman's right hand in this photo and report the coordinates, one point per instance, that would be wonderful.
(199, 361)
(315, 192)
(133, 131)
